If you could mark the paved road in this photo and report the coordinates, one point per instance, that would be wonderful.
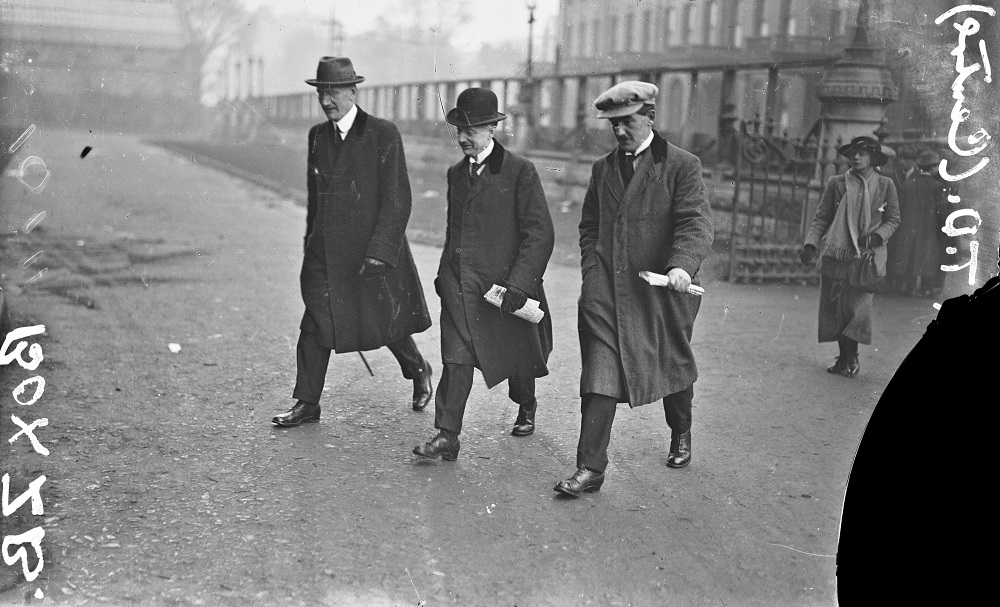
(168, 486)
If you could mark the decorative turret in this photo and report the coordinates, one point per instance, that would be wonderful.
(854, 92)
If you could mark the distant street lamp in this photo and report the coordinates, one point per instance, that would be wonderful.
(527, 93)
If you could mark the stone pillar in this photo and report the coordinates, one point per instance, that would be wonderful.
(854, 92)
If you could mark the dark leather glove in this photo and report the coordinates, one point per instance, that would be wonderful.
(808, 254)
(372, 268)
(513, 300)
(870, 241)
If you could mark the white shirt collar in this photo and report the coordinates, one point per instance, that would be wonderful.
(642, 146)
(344, 124)
(482, 156)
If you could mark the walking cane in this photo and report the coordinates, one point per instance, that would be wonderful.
(366, 364)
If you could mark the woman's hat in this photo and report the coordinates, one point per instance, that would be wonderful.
(475, 107)
(928, 159)
(865, 144)
(335, 71)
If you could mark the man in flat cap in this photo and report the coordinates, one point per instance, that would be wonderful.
(645, 209)
(499, 233)
(358, 281)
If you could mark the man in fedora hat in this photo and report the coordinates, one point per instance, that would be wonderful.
(499, 232)
(917, 249)
(859, 211)
(645, 209)
(358, 280)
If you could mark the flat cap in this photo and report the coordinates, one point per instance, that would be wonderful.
(625, 98)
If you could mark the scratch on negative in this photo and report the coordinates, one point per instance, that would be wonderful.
(779, 326)
(829, 556)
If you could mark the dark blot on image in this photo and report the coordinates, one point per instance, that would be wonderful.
(85, 151)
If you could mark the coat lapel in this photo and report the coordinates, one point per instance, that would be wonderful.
(614, 185)
(348, 154)
(494, 164)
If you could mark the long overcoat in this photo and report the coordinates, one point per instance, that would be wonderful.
(499, 229)
(917, 246)
(358, 207)
(634, 337)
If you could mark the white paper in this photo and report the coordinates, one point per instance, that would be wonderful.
(660, 280)
(530, 311)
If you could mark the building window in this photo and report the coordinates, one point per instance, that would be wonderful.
(579, 45)
(669, 27)
(613, 36)
(686, 34)
(595, 27)
(792, 26)
(764, 29)
(712, 24)
(628, 38)
(738, 24)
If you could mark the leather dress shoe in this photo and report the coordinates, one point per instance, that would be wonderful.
(439, 447)
(583, 480)
(680, 450)
(848, 366)
(423, 389)
(525, 422)
(299, 414)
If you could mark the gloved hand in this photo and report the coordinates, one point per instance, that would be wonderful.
(808, 254)
(513, 299)
(870, 241)
(372, 268)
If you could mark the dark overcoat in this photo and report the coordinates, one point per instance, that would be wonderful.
(917, 246)
(499, 229)
(358, 207)
(634, 337)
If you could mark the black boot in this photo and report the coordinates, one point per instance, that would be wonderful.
(525, 422)
(680, 450)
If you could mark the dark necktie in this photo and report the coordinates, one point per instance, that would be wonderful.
(473, 171)
(627, 169)
(337, 142)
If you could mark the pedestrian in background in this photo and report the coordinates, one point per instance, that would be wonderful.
(645, 209)
(499, 233)
(919, 244)
(859, 210)
(900, 169)
(359, 282)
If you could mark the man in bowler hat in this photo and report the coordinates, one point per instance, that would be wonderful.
(645, 209)
(499, 232)
(359, 282)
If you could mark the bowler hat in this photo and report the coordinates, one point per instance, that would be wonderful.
(335, 71)
(625, 98)
(928, 159)
(475, 106)
(865, 144)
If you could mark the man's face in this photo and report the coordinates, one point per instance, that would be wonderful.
(905, 163)
(861, 160)
(631, 130)
(474, 139)
(336, 101)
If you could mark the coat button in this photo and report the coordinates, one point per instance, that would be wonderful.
(458, 250)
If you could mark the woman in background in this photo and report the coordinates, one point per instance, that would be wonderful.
(859, 210)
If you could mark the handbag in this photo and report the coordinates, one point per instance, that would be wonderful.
(864, 273)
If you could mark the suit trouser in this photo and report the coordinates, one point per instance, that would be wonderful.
(598, 415)
(313, 359)
(453, 393)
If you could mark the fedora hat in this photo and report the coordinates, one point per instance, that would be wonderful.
(928, 159)
(475, 107)
(865, 144)
(335, 71)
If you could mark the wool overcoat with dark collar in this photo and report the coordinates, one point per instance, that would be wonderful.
(634, 337)
(499, 229)
(358, 207)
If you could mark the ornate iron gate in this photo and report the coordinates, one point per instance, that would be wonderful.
(777, 185)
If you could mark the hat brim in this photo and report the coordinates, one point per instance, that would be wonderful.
(453, 118)
(878, 158)
(620, 110)
(322, 84)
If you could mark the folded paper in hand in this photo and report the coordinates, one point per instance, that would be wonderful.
(660, 280)
(529, 311)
